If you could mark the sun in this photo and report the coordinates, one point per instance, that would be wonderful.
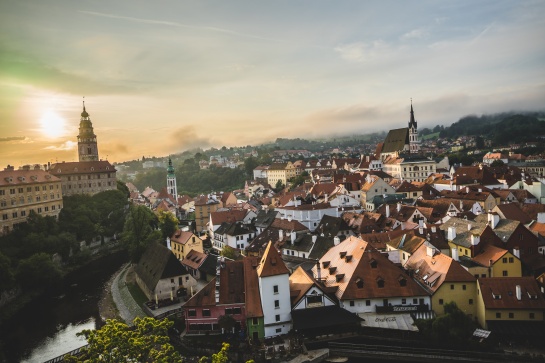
(52, 125)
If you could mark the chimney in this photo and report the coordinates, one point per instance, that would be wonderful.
(461, 206)
(467, 189)
(280, 235)
(469, 226)
(336, 240)
(430, 251)
(519, 292)
(480, 190)
(541, 217)
(289, 218)
(475, 239)
(455, 254)
(319, 270)
(314, 238)
(168, 244)
(451, 233)
(367, 158)
(293, 236)
(516, 252)
(326, 198)
(433, 229)
(388, 211)
(398, 206)
(493, 219)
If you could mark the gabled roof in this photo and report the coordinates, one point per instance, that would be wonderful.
(431, 268)
(204, 297)
(21, 177)
(501, 293)
(407, 243)
(489, 253)
(396, 140)
(512, 211)
(181, 236)
(229, 216)
(331, 226)
(194, 259)
(300, 283)
(265, 217)
(157, 263)
(363, 272)
(475, 175)
(81, 167)
(232, 283)
(271, 263)
(251, 282)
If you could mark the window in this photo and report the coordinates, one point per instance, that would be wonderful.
(277, 317)
(504, 273)
(12, 191)
(4, 217)
(367, 302)
(463, 287)
(511, 315)
(237, 311)
(470, 301)
(14, 214)
(279, 330)
(511, 260)
(171, 281)
(275, 289)
(20, 190)
(532, 316)
(23, 213)
(504, 260)
(254, 321)
(277, 304)
(415, 301)
(352, 303)
(440, 301)
(206, 312)
(498, 315)
(2, 192)
(403, 301)
(192, 313)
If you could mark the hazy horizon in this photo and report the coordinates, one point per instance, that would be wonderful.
(161, 78)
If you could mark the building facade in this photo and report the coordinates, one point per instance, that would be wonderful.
(25, 190)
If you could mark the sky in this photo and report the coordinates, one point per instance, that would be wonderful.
(161, 77)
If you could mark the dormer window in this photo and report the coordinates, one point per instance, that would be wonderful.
(359, 283)
(339, 277)
(402, 281)
(332, 270)
(348, 258)
(342, 254)
(496, 297)
(380, 282)
(325, 264)
(373, 263)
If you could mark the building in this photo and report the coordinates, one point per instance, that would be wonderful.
(89, 175)
(403, 140)
(26, 190)
(280, 172)
(182, 242)
(204, 205)
(172, 188)
(409, 167)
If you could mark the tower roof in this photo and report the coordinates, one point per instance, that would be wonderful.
(84, 113)
(170, 168)
(271, 263)
(412, 121)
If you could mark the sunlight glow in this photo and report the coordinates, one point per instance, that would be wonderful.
(52, 125)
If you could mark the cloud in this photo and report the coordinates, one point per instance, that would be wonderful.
(12, 138)
(65, 146)
(415, 34)
(186, 138)
(361, 52)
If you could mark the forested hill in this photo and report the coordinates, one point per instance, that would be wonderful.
(500, 128)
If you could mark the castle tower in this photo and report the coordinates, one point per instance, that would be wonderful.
(171, 180)
(414, 143)
(87, 140)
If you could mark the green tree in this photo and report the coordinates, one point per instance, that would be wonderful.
(279, 186)
(168, 224)
(497, 163)
(7, 276)
(138, 231)
(250, 164)
(453, 325)
(123, 189)
(147, 341)
(37, 270)
(229, 252)
(226, 322)
(219, 357)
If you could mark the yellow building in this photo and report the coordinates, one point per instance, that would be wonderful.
(204, 205)
(26, 190)
(182, 242)
(502, 302)
(444, 278)
(498, 263)
(282, 172)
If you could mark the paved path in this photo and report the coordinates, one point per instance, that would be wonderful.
(127, 307)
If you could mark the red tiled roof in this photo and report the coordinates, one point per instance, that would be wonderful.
(271, 263)
(500, 293)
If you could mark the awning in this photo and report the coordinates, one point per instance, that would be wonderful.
(388, 321)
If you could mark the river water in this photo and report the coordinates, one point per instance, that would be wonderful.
(47, 327)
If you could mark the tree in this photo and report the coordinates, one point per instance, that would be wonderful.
(168, 224)
(138, 231)
(37, 270)
(454, 324)
(250, 164)
(279, 186)
(7, 277)
(147, 341)
(229, 252)
(498, 162)
(123, 189)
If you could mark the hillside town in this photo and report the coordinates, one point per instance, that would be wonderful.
(322, 243)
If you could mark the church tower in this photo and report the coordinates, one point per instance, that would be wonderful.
(171, 180)
(87, 140)
(414, 143)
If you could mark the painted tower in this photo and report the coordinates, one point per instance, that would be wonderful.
(171, 180)
(87, 140)
(414, 143)
(274, 289)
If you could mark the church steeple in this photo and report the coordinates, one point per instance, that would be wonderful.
(414, 143)
(87, 140)
(171, 181)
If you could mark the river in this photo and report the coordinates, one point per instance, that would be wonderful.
(47, 327)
